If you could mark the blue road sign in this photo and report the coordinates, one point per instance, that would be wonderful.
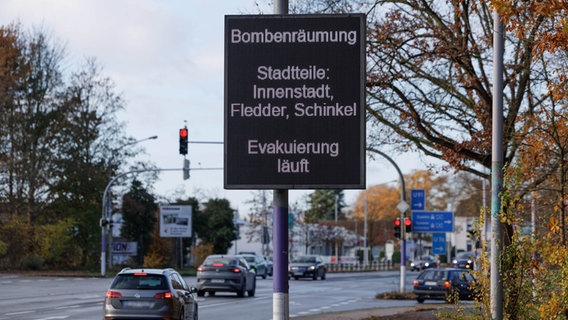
(432, 221)
(417, 199)
(439, 243)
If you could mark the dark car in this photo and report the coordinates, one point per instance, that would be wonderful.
(269, 265)
(150, 293)
(448, 284)
(309, 266)
(225, 273)
(257, 263)
(464, 260)
(423, 262)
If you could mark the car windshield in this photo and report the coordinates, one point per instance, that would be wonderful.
(435, 275)
(219, 261)
(249, 258)
(305, 259)
(465, 255)
(140, 282)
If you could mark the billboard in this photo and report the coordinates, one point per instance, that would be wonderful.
(175, 221)
(294, 101)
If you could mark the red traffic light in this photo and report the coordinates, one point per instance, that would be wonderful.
(397, 222)
(183, 141)
(407, 225)
(183, 133)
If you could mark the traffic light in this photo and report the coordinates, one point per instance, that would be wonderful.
(397, 228)
(407, 225)
(183, 141)
(185, 169)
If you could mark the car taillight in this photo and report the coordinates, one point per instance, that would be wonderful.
(415, 283)
(199, 269)
(447, 285)
(163, 295)
(140, 274)
(237, 270)
(113, 294)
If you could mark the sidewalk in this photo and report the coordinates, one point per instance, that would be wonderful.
(426, 312)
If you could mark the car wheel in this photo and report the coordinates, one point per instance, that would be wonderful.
(315, 276)
(211, 293)
(200, 293)
(265, 274)
(241, 293)
(296, 278)
(420, 299)
(323, 275)
(252, 291)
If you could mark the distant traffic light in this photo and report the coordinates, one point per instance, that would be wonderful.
(407, 225)
(183, 141)
(397, 228)
(185, 169)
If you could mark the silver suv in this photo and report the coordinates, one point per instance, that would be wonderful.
(147, 293)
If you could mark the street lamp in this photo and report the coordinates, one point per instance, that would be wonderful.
(105, 220)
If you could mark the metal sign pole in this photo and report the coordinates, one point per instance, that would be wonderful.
(496, 294)
(280, 294)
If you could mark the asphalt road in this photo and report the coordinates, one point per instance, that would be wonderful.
(50, 298)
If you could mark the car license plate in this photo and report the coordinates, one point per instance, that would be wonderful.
(431, 283)
(298, 273)
(217, 281)
(137, 304)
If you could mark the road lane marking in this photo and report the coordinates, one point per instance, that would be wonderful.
(18, 313)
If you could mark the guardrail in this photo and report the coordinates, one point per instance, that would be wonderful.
(360, 267)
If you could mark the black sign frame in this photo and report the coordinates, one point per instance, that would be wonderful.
(294, 102)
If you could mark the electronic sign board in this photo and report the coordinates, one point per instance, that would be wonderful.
(294, 101)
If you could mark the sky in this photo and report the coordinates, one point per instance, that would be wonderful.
(166, 59)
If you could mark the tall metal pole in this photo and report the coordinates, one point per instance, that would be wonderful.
(402, 229)
(496, 294)
(105, 214)
(280, 297)
(366, 234)
(336, 248)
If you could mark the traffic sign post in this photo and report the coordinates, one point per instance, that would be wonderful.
(294, 112)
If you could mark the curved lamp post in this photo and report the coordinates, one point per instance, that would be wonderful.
(105, 219)
(402, 207)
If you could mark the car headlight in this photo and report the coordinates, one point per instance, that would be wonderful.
(426, 264)
(412, 264)
(312, 267)
(455, 261)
